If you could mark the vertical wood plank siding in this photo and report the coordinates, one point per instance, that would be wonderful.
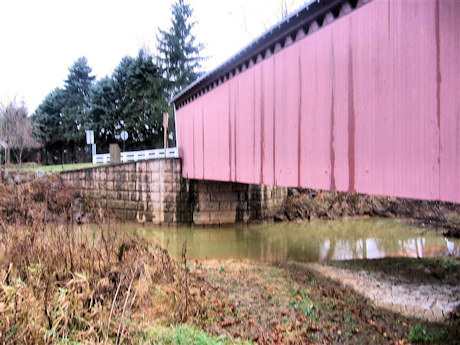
(369, 103)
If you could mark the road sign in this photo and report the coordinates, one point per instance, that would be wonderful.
(124, 135)
(89, 137)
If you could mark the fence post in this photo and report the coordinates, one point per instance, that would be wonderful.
(114, 150)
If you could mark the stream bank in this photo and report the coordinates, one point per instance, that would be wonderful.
(309, 204)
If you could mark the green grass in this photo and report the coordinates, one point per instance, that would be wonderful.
(418, 334)
(185, 335)
(304, 304)
(52, 168)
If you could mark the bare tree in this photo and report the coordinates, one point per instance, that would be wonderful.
(5, 131)
(252, 19)
(15, 130)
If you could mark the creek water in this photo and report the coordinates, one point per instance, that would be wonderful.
(305, 242)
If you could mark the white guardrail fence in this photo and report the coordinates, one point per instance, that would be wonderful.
(133, 156)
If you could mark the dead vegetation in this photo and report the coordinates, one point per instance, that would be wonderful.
(60, 281)
(37, 203)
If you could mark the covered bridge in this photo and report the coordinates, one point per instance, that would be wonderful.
(359, 96)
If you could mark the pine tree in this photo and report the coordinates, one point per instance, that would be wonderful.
(134, 100)
(100, 111)
(77, 88)
(179, 53)
(146, 101)
(47, 125)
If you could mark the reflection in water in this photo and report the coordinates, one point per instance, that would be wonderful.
(316, 241)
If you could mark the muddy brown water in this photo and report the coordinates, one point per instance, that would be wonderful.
(304, 242)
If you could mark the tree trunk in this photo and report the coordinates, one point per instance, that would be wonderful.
(8, 160)
(20, 155)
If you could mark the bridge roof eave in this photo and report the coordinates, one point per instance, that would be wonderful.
(288, 26)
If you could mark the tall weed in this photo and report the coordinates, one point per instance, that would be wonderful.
(61, 281)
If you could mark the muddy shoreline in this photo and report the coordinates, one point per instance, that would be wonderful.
(431, 302)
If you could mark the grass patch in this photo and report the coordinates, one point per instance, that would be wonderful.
(186, 335)
(51, 168)
(418, 334)
(303, 303)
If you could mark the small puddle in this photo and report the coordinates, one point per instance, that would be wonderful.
(306, 242)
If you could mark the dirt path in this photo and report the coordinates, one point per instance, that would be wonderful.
(430, 302)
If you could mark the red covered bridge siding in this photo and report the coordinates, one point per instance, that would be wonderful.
(362, 98)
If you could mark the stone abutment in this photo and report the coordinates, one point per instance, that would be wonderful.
(155, 191)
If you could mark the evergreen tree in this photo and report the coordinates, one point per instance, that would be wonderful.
(179, 53)
(61, 119)
(133, 100)
(120, 91)
(146, 101)
(100, 112)
(47, 124)
(77, 88)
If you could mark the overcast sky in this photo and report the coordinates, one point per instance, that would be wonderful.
(40, 40)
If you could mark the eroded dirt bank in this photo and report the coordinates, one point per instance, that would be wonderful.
(307, 204)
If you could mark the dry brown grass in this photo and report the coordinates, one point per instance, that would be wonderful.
(60, 281)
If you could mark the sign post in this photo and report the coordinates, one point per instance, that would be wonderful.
(165, 130)
(90, 141)
(124, 136)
